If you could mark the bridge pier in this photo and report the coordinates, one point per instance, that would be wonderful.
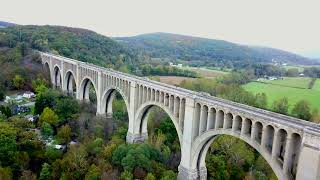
(136, 138)
(309, 161)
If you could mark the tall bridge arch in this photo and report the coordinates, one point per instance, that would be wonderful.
(291, 146)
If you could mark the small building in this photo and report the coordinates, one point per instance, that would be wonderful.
(7, 99)
(31, 118)
(17, 109)
(28, 95)
(59, 147)
(272, 78)
(179, 65)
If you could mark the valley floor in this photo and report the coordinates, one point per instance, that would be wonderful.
(295, 89)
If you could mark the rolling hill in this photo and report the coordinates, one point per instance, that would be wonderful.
(204, 51)
(76, 43)
(4, 24)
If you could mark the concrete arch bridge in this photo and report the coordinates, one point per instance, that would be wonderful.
(291, 146)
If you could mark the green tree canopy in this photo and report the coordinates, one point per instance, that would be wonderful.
(281, 106)
(48, 116)
(8, 144)
(302, 110)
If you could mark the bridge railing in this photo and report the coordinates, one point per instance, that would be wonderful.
(260, 113)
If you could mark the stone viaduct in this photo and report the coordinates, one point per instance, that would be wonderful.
(291, 146)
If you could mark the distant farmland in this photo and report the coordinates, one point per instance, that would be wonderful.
(295, 89)
(172, 80)
(207, 73)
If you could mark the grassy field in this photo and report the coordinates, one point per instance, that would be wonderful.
(207, 73)
(288, 88)
(172, 80)
(298, 82)
(300, 68)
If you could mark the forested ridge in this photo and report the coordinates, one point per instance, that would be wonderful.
(76, 43)
(202, 51)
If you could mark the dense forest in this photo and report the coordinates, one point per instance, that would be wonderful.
(209, 52)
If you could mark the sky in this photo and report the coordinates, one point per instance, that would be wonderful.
(292, 25)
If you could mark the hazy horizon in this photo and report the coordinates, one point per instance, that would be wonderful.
(287, 25)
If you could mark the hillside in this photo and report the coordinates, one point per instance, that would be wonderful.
(6, 24)
(201, 50)
(76, 43)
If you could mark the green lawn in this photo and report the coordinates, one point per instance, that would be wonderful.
(300, 68)
(276, 91)
(207, 73)
(299, 82)
(316, 85)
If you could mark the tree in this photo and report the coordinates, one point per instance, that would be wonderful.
(292, 72)
(261, 100)
(46, 130)
(8, 144)
(217, 167)
(49, 117)
(41, 89)
(168, 128)
(74, 163)
(45, 172)
(27, 175)
(39, 85)
(302, 110)
(150, 176)
(95, 147)
(168, 175)
(135, 156)
(315, 116)
(18, 81)
(6, 111)
(64, 134)
(66, 108)
(46, 99)
(126, 175)
(2, 117)
(5, 173)
(281, 106)
(52, 154)
(93, 173)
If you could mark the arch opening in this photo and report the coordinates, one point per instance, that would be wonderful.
(212, 118)
(70, 83)
(228, 123)
(115, 107)
(257, 132)
(294, 154)
(247, 127)
(229, 157)
(220, 119)
(110, 97)
(88, 93)
(47, 72)
(237, 124)
(57, 77)
(280, 146)
(269, 137)
(163, 132)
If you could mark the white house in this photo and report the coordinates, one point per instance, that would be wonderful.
(28, 95)
(7, 99)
